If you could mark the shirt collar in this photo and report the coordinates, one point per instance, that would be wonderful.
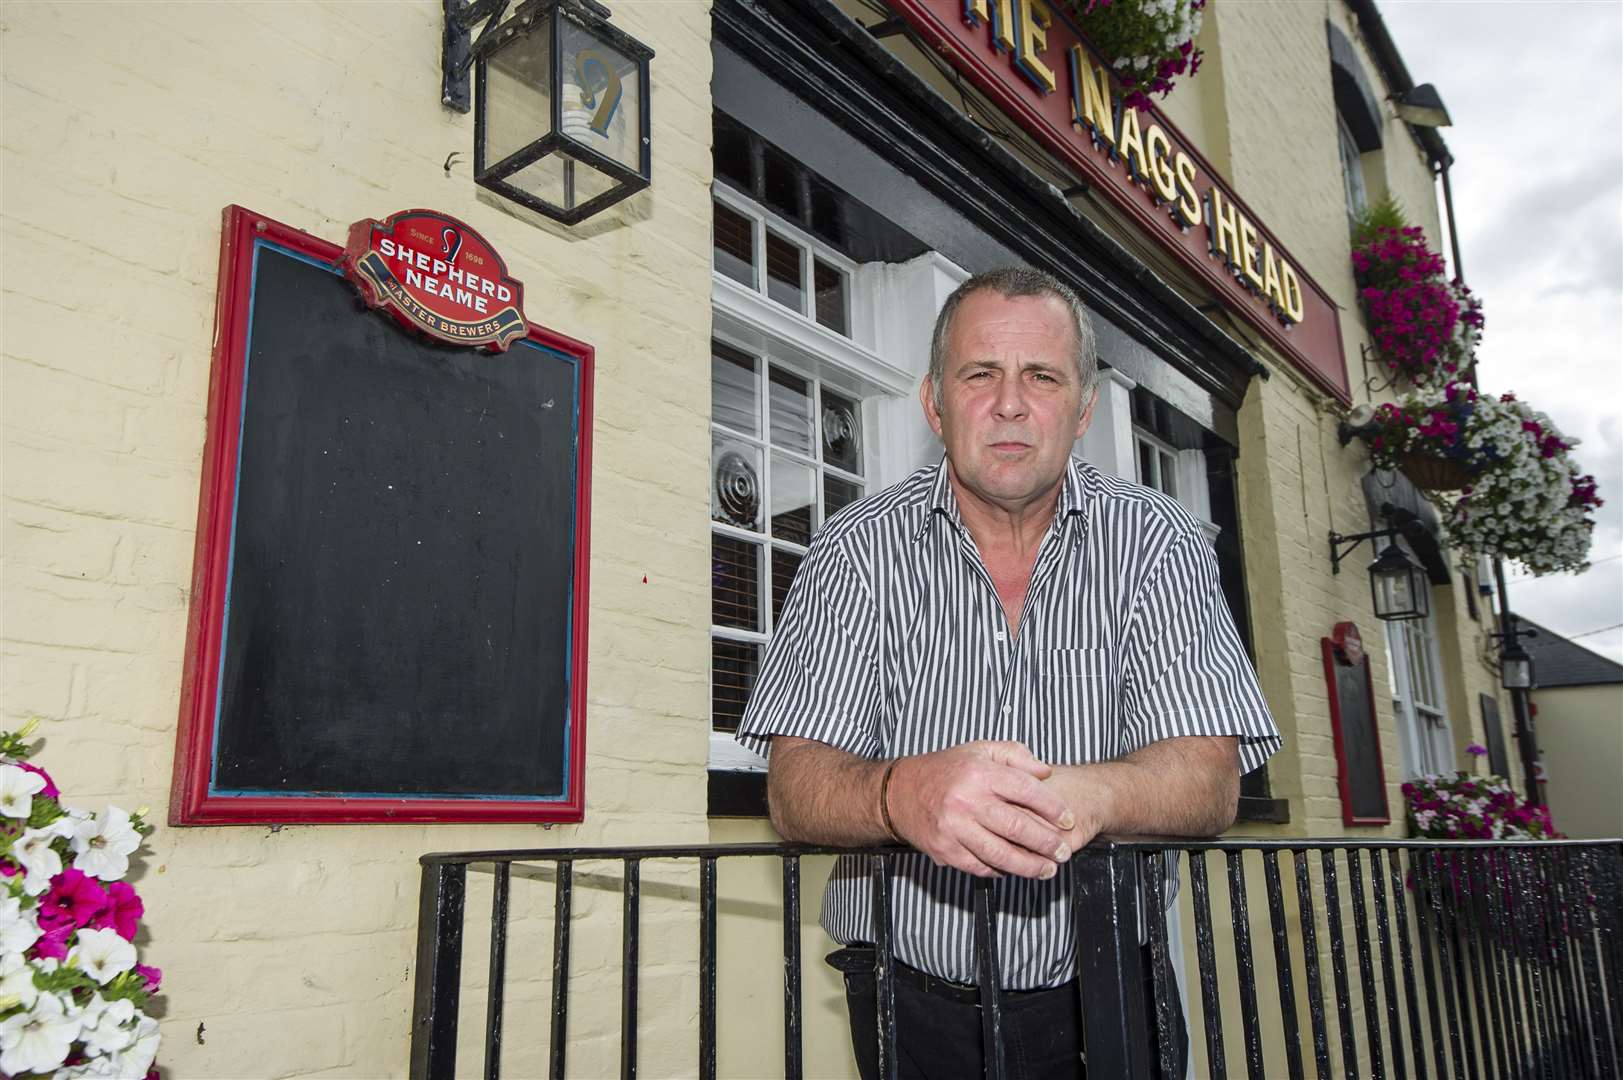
(942, 502)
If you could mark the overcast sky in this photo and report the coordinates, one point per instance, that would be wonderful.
(1535, 90)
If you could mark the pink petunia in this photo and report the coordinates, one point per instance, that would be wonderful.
(53, 944)
(124, 911)
(150, 975)
(75, 899)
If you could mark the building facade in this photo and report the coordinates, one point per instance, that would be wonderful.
(823, 176)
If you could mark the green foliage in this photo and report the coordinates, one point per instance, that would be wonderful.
(1384, 213)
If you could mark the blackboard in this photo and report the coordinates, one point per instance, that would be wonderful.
(1360, 772)
(1494, 732)
(389, 608)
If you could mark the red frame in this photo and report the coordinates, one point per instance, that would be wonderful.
(1317, 351)
(191, 802)
(1329, 648)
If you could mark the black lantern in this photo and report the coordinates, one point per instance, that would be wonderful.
(1399, 586)
(1515, 668)
(561, 122)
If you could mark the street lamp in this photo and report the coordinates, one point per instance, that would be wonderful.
(1422, 106)
(561, 121)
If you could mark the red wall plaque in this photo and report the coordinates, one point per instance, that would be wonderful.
(1034, 64)
(437, 276)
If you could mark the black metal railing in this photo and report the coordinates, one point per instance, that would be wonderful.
(1472, 959)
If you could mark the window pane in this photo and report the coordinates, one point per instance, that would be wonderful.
(730, 151)
(783, 275)
(838, 494)
(1169, 474)
(842, 432)
(735, 245)
(735, 389)
(781, 186)
(794, 500)
(791, 412)
(735, 483)
(733, 666)
(735, 589)
(784, 565)
(1146, 464)
(830, 285)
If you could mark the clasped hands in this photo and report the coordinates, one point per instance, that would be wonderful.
(990, 808)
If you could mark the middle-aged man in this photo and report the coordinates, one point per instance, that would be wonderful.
(994, 661)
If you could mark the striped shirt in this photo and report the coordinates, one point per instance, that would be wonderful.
(893, 642)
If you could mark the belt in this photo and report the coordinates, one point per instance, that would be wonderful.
(859, 959)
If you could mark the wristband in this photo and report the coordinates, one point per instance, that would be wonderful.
(884, 801)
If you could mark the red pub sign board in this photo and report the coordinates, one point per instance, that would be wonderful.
(1033, 63)
(436, 276)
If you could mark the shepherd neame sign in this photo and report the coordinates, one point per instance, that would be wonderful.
(1035, 65)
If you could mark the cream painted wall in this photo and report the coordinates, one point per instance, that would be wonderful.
(127, 128)
(1580, 740)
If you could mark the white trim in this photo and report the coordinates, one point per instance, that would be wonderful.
(1108, 443)
(748, 320)
(727, 754)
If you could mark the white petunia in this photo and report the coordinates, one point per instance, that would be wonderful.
(34, 853)
(101, 954)
(103, 845)
(109, 1027)
(16, 982)
(37, 1040)
(17, 790)
(137, 1060)
(19, 926)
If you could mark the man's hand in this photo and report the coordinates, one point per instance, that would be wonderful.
(1184, 786)
(983, 808)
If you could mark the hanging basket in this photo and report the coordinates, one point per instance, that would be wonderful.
(1430, 473)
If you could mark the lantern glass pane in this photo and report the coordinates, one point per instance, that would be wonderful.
(602, 95)
(517, 94)
(1392, 595)
(1517, 674)
(561, 181)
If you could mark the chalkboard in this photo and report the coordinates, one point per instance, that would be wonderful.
(1361, 775)
(1494, 732)
(389, 611)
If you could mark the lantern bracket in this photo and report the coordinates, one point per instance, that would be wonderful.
(1338, 553)
(1399, 520)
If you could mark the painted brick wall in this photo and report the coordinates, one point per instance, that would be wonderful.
(127, 128)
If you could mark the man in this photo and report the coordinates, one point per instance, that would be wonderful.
(995, 661)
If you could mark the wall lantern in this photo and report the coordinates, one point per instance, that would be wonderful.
(1397, 584)
(1422, 106)
(561, 123)
(1515, 666)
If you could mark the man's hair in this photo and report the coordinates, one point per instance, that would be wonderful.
(1013, 282)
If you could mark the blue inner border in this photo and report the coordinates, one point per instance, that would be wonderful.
(231, 561)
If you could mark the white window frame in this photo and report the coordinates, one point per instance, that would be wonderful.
(1354, 189)
(1423, 726)
(1188, 478)
(750, 321)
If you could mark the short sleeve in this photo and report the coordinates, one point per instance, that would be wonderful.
(819, 679)
(1187, 673)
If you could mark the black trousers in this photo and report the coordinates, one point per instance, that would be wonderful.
(938, 1036)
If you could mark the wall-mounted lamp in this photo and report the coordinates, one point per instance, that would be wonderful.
(1422, 106)
(561, 122)
(1398, 585)
(1515, 666)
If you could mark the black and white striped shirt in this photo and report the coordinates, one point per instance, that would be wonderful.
(893, 642)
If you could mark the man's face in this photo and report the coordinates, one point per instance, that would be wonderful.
(1011, 396)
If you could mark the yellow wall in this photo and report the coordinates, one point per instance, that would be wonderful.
(127, 128)
(1580, 739)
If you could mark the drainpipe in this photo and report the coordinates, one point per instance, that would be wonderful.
(1526, 740)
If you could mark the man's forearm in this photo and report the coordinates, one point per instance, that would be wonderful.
(1175, 787)
(819, 794)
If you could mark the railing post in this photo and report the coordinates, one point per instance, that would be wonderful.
(1115, 1029)
(439, 970)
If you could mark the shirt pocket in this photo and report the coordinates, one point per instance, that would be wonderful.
(1078, 691)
